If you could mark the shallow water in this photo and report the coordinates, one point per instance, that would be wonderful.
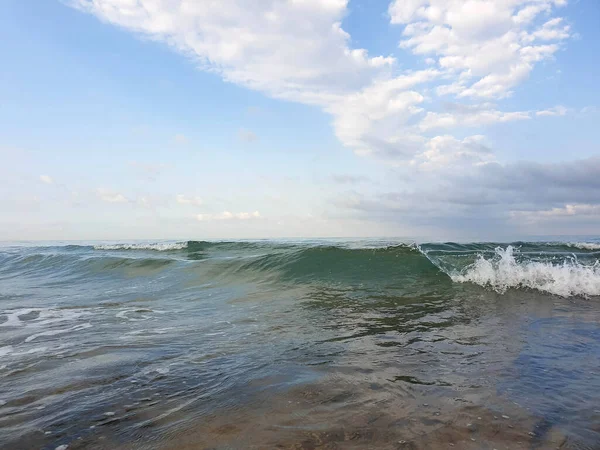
(309, 344)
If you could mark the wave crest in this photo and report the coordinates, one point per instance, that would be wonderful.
(156, 246)
(503, 271)
(584, 245)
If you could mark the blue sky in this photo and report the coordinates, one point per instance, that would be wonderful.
(152, 119)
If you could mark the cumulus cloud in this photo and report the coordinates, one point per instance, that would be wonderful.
(373, 120)
(447, 151)
(106, 195)
(46, 179)
(490, 45)
(251, 43)
(476, 49)
(226, 215)
(182, 199)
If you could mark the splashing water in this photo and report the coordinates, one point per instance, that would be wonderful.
(503, 271)
(157, 246)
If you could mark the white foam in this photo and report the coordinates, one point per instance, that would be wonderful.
(46, 316)
(6, 350)
(82, 326)
(124, 314)
(156, 246)
(584, 245)
(502, 272)
(51, 316)
(147, 332)
(12, 317)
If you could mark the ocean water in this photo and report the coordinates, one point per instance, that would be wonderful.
(300, 344)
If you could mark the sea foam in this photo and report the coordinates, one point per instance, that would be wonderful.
(503, 271)
(156, 246)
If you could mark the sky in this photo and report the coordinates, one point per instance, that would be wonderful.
(203, 119)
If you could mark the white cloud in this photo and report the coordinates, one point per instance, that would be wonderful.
(555, 111)
(250, 43)
(483, 49)
(491, 45)
(551, 31)
(445, 151)
(469, 118)
(46, 179)
(109, 196)
(226, 215)
(370, 119)
(185, 200)
(526, 14)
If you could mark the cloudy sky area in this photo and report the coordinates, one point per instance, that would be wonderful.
(181, 119)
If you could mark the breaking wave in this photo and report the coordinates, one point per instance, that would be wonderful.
(564, 269)
(503, 271)
(157, 246)
(584, 245)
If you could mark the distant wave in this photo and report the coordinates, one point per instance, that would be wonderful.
(157, 246)
(564, 269)
(584, 245)
(503, 271)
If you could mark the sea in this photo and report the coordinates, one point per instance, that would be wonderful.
(300, 344)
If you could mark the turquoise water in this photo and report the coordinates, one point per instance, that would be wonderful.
(140, 341)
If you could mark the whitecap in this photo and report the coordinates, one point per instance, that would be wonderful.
(503, 272)
(584, 245)
(156, 246)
